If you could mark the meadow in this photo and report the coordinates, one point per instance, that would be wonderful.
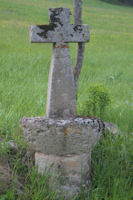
(24, 69)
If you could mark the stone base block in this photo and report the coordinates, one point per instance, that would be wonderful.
(67, 172)
(61, 137)
(64, 147)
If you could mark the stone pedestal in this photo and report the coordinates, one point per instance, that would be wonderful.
(64, 147)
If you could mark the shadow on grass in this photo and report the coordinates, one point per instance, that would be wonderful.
(120, 3)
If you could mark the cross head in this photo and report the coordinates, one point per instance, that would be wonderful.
(59, 29)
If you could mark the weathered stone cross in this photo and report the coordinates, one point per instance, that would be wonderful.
(64, 143)
(61, 97)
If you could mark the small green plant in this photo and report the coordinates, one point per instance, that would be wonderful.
(97, 100)
(10, 194)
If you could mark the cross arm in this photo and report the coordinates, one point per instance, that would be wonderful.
(52, 33)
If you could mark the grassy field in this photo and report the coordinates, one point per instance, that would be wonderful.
(24, 69)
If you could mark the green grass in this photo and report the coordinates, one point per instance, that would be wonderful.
(24, 69)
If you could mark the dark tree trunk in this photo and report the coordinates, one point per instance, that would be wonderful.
(81, 46)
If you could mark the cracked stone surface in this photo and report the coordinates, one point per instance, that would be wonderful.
(61, 137)
(59, 29)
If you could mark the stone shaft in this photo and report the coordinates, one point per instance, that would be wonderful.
(61, 96)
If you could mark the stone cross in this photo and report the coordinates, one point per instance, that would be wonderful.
(61, 97)
(61, 141)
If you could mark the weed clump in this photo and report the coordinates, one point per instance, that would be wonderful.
(98, 99)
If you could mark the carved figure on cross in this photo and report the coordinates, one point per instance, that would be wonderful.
(61, 96)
